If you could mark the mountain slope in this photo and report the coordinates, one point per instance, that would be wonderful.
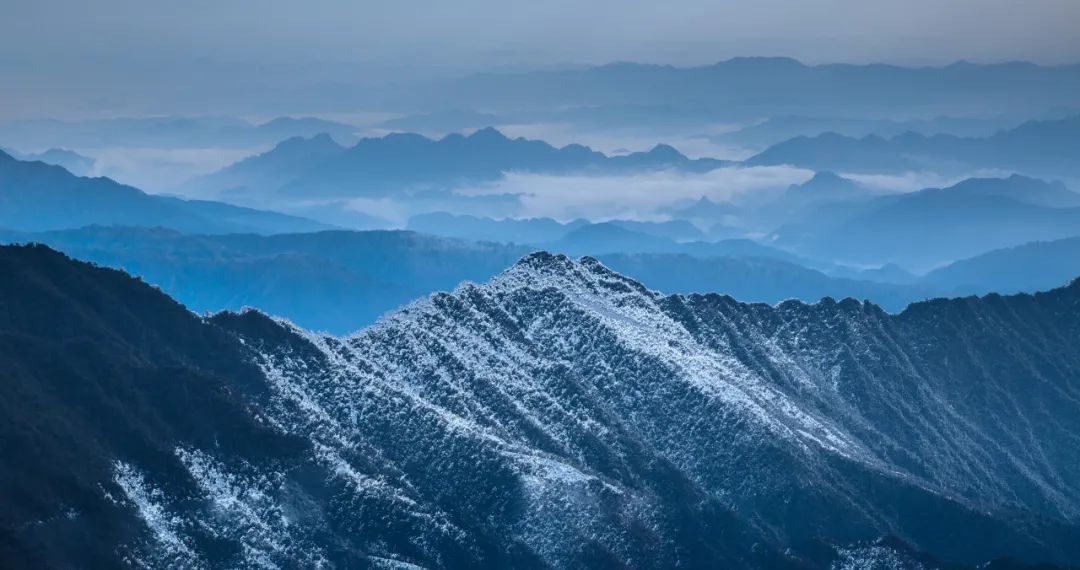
(762, 279)
(271, 169)
(925, 229)
(35, 196)
(100, 369)
(333, 281)
(1028, 267)
(559, 415)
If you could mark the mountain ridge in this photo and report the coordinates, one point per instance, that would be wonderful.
(560, 415)
(39, 196)
(387, 165)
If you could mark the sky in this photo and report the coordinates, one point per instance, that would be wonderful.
(501, 32)
(105, 50)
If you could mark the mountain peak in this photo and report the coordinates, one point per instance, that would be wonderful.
(544, 260)
(488, 134)
(666, 152)
(320, 141)
(586, 275)
(827, 182)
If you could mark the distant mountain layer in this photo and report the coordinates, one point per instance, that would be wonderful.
(766, 280)
(410, 163)
(743, 89)
(538, 230)
(777, 129)
(932, 227)
(1029, 267)
(167, 132)
(1042, 148)
(336, 281)
(72, 161)
(558, 416)
(35, 196)
(341, 281)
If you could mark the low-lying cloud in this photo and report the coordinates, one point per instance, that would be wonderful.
(638, 196)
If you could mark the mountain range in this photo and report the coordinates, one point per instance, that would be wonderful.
(1038, 148)
(538, 230)
(750, 88)
(35, 196)
(1035, 266)
(559, 415)
(777, 129)
(404, 163)
(928, 228)
(167, 132)
(342, 281)
(70, 160)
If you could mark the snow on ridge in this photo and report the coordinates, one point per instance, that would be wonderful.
(164, 527)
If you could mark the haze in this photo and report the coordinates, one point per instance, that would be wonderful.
(66, 58)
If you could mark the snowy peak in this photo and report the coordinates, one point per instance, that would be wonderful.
(557, 416)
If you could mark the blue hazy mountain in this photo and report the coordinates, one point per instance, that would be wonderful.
(1028, 267)
(337, 281)
(72, 161)
(764, 279)
(778, 129)
(167, 132)
(537, 230)
(341, 281)
(508, 230)
(924, 229)
(798, 202)
(559, 415)
(610, 237)
(1043, 148)
(826, 186)
(403, 162)
(752, 88)
(272, 169)
(35, 196)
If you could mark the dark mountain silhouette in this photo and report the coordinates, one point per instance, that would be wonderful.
(102, 369)
(1040, 148)
(931, 227)
(404, 162)
(560, 415)
(35, 196)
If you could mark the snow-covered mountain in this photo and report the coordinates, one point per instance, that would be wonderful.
(560, 415)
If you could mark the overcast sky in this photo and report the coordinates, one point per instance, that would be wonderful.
(49, 46)
(505, 31)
